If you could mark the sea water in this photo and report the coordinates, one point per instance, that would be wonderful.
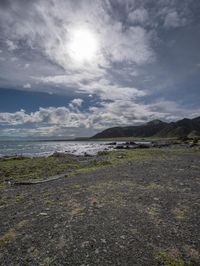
(46, 148)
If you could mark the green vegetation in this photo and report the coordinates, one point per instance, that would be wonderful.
(5, 200)
(77, 211)
(180, 213)
(34, 168)
(154, 212)
(46, 262)
(168, 259)
(8, 238)
(24, 169)
(101, 153)
(21, 224)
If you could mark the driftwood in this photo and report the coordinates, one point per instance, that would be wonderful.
(34, 182)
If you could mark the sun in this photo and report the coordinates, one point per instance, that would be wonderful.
(83, 45)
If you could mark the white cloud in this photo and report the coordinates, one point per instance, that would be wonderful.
(11, 45)
(45, 116)
(138, 16)
(27, 86)
(59, 121)
(105, 89)
(27, 65)
(14, 59)
(78, 102)
(16, 118)
(45, 29)
(131, 45)
(75, 104)
(41, 30)
(173, 19)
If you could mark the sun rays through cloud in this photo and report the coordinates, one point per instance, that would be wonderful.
(83, 45)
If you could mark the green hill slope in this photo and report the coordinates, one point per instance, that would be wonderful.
(155, 128)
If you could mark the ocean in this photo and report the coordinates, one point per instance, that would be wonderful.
(46, 148)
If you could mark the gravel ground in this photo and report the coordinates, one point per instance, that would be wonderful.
(138, 213)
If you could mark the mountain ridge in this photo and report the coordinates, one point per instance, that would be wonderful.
(156, 128)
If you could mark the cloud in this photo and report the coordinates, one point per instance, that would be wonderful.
(75, 104)
(46, 26)
(131, 45)
(173, 19)
(26, 65)
(27, 86)
(60, 121)
(132, 64)
(11, 45)
(103, 87)
(138, 16)
(44, 116)
(78, 102)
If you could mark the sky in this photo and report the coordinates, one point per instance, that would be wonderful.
(73, 68)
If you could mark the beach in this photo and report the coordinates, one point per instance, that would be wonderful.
(124, 207)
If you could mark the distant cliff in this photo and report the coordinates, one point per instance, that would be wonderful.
(156, 128)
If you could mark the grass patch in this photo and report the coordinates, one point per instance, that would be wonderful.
(154, 212)
(46, 262)
(103, 153)
(21, 224)
(76, 186)
(8, 238)
(97, 164)
(5, 200)
(120, 157)
(34, 168)
(49, 202)
(180, 213)
(168, 259)
(77, 211)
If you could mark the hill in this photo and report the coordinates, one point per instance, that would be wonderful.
(156, 128)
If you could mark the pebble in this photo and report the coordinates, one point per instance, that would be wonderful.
(97, 251)
(31, 249)
(43, 214)
(156, 199)
(85, 244)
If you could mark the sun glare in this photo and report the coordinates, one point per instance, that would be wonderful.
(83, 45)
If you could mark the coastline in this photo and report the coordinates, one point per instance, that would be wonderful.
(19, 168)
(92, 147)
